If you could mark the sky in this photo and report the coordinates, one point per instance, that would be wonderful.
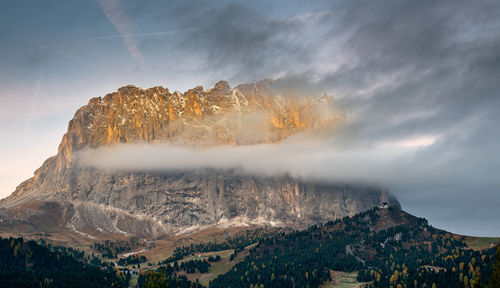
(419, 82)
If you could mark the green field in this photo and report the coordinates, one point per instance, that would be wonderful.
(344, 280)
(481, 242)
(216, 268)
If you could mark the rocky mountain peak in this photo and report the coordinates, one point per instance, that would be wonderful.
(222, 86)
(248, 114)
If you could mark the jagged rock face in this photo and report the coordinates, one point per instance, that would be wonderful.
(248, 114)
(150, 203)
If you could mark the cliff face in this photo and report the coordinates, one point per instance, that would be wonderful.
(96, 201)
(245, 115)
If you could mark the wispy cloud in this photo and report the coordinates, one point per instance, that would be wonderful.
(309, 15)
(116, 15)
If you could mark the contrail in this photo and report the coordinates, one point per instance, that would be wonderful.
(309, 15)
(104, 37)
(137, 35)
(116, 15)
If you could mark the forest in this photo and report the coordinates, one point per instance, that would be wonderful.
(29, 264)
(411, 254)
(111, 249)
(388, 247)
(132, 260)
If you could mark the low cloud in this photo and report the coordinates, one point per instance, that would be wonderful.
(320, 159)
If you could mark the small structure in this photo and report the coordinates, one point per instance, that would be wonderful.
(436, 269)
(384, 205)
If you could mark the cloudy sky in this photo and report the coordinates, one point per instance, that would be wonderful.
(419, 82)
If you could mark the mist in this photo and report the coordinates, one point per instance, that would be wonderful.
(322, 159)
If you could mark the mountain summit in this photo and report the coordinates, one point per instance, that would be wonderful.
(93, 202)
(244, 115)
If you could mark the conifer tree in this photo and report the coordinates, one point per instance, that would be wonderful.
(476, 282)
(495, 271)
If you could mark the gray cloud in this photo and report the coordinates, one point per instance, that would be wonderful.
(236, 42)
(429, 68)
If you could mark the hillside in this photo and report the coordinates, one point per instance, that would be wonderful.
(381, 247)
(28, 264)
(387, 247)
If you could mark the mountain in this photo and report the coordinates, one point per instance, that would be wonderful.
(68, 198)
